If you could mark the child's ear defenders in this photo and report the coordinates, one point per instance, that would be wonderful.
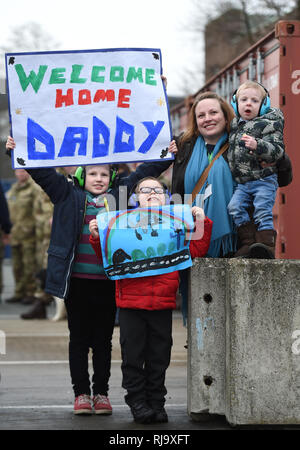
(79, 176)
(264, 107)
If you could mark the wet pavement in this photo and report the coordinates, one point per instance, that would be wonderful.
(36, 392)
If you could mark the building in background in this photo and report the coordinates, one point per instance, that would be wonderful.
(273, 61)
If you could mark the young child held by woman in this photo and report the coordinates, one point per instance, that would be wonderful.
(255, 144)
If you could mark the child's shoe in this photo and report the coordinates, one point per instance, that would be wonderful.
(83, 404)
(161, 415)
(142, 413)
(102, 404)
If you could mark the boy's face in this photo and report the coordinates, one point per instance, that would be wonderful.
(97, 179)
(249, 102)
(152, 198)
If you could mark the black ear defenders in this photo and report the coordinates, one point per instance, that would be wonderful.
(80, 174)
(264, 107)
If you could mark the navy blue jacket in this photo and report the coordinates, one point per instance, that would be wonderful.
(5, 223)
(69, 209)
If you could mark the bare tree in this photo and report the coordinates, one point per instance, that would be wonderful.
(252, 16)
(28, 37)
(278, 7)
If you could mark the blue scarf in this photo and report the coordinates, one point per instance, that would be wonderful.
(223, 237)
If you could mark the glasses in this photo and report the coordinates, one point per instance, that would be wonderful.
(147, 190)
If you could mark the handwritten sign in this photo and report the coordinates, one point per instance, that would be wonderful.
(87, 107)
(144, 242)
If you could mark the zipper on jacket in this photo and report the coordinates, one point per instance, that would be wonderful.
(73, 255)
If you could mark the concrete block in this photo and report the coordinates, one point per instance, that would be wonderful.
(206, 337)
(244, 340)
(262, 355)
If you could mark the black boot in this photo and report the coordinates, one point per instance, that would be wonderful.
(142, 413)
(14, 299)
(246, 237)
(264, 248)
(38, 311)
(161, 415)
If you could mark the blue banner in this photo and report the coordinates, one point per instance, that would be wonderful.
(145, 241)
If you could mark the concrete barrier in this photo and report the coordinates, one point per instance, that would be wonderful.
(244, 340)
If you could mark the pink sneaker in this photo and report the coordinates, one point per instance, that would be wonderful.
(102, 404)
(83, 404)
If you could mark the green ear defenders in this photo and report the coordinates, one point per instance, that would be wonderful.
(80, 172)
(79, 176)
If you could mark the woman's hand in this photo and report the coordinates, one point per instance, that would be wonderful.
(173, 147)
(93, 227)
(10, 143)
(164, 80)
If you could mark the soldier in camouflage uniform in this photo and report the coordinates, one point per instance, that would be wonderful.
(20, 199)
(42, 212)
(255, 144)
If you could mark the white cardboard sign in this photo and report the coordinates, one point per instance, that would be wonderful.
(87, 107)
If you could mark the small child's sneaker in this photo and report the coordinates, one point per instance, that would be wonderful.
(83, 404)
(102, 404)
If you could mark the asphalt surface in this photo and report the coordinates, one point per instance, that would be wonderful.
(36, 392)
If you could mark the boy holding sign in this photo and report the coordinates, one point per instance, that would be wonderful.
(74, 272)
(145, 318)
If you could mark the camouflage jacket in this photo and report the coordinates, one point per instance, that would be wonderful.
(20, 200)
(268, 132)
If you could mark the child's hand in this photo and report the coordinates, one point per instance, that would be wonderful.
(198, 213)
(10, 143)
(164, 79)
(173, 147)
(250, 143)
(93, 227)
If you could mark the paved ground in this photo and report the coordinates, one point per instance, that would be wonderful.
(35, 388)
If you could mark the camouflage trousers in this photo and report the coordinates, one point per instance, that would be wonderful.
(24, 269)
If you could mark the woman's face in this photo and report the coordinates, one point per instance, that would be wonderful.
(151, 198)
(210, 120)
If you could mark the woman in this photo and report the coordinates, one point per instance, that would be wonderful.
(206, 133)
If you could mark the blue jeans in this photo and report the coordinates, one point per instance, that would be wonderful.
(259, 193)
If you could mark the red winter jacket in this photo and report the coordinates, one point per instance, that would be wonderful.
(158, 291)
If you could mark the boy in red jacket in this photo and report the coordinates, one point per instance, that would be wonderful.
(145, 318)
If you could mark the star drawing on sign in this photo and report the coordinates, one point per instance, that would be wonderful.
(160, 102)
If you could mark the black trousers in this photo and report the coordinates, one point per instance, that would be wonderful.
(146, 342)
(91, 313)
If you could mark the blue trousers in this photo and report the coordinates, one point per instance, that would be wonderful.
(258, 193)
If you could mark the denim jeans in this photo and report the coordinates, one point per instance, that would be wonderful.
(258, 193)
